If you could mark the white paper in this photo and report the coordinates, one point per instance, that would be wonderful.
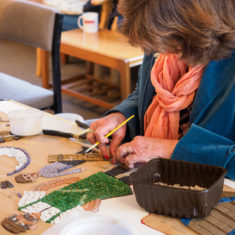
(229, 183)
(50, 121)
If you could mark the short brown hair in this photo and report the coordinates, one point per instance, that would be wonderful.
(200, 30)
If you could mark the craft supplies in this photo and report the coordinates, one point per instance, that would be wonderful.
(92, 205)
(26, 178)
(30, 196)
(65, 134)
(120, 172)
(173, 201)
(20, 223)
(6, 184)
(57, 182)
(220, 221)
(71, 157)
(110, 133)
(96, 186)
(55, 169)
(52, 170)
(21, 156)
(26, 122)
(82, 124)
(8, 136)
(40, 191)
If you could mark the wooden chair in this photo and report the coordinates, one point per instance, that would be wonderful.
(34, 25)
(107, 48)
(42, 56)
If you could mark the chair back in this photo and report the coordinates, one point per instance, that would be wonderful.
(35, 25)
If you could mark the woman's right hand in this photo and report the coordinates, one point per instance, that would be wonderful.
(102, 127)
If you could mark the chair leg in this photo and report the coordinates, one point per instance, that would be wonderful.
(45, 70)
(115, 76)
(42, 65)
(64, 58)
(125, 80)
(38, 62)
(98, 71)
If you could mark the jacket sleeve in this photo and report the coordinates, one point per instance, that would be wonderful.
(129, 107)
(211, 137)
(203, 146)
(134, 103)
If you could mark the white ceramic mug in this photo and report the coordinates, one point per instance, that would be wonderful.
(89, 22)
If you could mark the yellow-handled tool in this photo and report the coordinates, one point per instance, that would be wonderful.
(110, 133)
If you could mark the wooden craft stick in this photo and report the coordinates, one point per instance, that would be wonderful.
(74, 157)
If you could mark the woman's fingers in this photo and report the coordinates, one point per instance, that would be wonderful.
(123, 151)
(91, 137)
(131, 159)
(116, 140)
(104, 149)
(101, 132)
(102, 127)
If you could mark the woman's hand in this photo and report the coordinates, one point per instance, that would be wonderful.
(102, 127)
(143, 149)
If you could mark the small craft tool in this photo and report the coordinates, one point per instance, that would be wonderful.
(110, 133)
(65, 134)
(73, 157)
(81, 124)
(8, 136)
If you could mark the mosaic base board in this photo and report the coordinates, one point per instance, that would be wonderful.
(221, 220)
(120, 173)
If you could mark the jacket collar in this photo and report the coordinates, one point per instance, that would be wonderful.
(218, 76)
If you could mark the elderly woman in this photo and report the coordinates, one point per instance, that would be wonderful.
(184, 102)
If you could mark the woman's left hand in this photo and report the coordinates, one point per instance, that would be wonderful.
(143, 149)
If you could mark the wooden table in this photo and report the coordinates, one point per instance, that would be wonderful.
(39, 147)
(106, 48)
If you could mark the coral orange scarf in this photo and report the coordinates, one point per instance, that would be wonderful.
(175, 86)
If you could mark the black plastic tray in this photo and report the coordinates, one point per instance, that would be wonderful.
(176, 201)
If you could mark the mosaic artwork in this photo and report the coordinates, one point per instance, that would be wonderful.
(20, 155)
(20, 223)
(96, 186)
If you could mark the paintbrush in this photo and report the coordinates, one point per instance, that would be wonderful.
(110, 133)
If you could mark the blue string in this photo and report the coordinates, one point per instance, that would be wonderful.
(185, 221)
(227, 199)
(232, 232)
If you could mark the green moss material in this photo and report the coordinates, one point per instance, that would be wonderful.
(97, 186)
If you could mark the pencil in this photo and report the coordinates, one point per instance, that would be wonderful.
(110, 133)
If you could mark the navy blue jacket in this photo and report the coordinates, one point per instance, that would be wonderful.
(211, 136)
